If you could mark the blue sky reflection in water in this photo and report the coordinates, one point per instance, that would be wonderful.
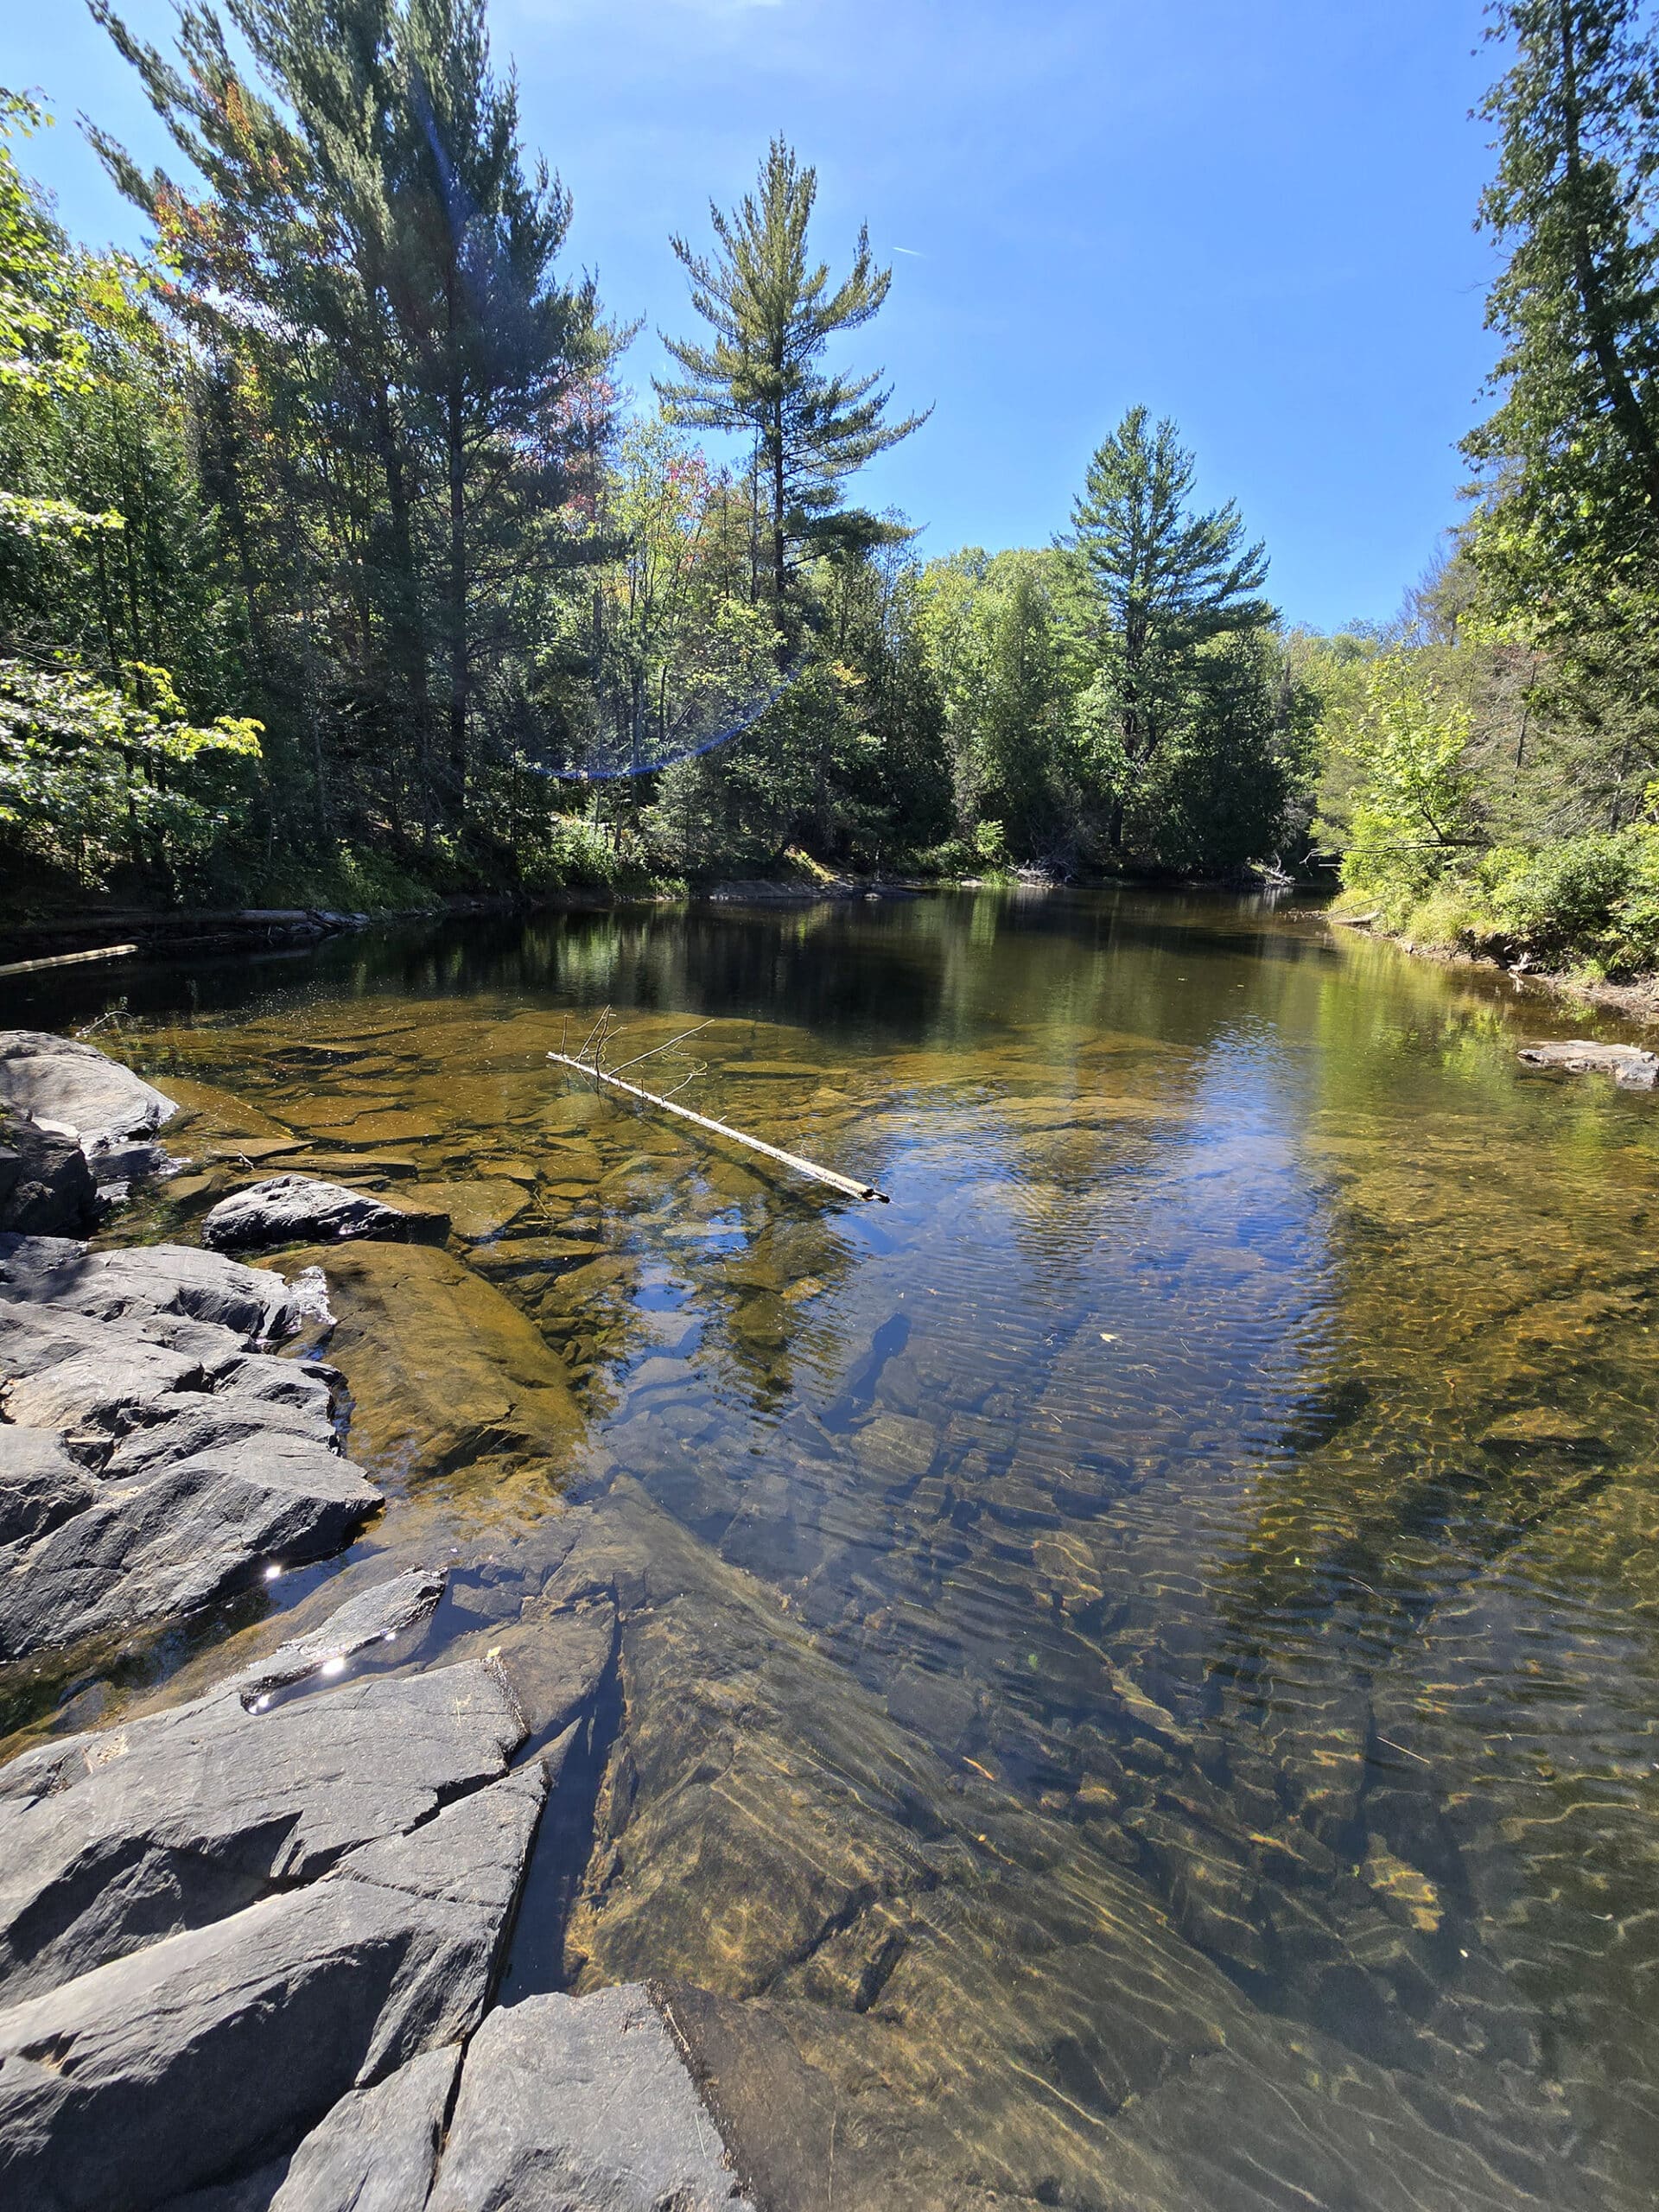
(1145, 1692)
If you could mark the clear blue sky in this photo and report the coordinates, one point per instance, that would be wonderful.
(1257, 218)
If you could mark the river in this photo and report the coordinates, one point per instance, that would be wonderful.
(1149, 1695)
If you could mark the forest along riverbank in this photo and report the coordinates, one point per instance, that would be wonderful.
(306, 1877)
(1117, 1679)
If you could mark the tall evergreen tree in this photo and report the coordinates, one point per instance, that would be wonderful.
(373, 229)
(772, 314)
(1160, 583)
(1576, 432)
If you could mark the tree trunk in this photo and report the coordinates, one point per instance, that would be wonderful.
(458, 670)
(778, 560)
(409, 633)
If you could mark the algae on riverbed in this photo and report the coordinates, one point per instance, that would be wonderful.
(1131, 1689)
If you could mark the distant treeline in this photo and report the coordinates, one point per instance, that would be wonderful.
(332, 561)
(336, 565)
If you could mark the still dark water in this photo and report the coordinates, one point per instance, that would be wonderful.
(1207, 1752)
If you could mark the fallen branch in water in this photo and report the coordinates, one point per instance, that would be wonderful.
(848, 1185)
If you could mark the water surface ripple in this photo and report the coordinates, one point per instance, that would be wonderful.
(1150, 1695)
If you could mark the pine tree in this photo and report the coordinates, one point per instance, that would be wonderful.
(375, 233)
(1576, 433)
(1160, 583)
(771, 316)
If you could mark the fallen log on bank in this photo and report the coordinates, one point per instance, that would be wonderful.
(848, 1185)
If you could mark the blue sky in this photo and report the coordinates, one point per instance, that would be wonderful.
(1258, 219)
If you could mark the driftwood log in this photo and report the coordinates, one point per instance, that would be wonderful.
(848, 1185)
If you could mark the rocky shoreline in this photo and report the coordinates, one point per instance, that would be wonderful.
(251, 1945)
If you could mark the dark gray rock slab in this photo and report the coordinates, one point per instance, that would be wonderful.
(377, 2150)
(40, 1484)
(97, 1395)
(75, 1088)
(178, 2066)
(298, 1210)
(583, 2103)
(184, 1426)
(112, 1840)
(1629, 1065)
(46, 1185)
(146, 1283)
(152, 1279)
(171, 1541)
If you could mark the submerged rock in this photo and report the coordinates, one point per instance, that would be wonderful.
(302, 1209)
(1629, 1065)
(446, 1372)
(1542, 1429)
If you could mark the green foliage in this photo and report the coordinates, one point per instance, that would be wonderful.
(1411, 807)
(91, 778)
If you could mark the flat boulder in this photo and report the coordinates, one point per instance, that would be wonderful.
(582, 2101)
(1630, 1067)
(171, 1541)
(74, 1089)
(113, 1841)
(190, 2059)
(446, 1373)
(302, 1209)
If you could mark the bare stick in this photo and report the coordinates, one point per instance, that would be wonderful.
(845, 1183)
(655, 1049)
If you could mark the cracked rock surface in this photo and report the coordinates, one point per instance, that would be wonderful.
(295, 1209)
(151, 1459)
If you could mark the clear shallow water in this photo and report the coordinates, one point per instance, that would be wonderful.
(1151, 1696)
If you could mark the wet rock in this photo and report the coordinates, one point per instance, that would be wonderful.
(179, 2064)
(45, 1187)
(40, 1484)
(171, 1541)
(111, 1841)
(583, 2102)
(296, 1210)
(1627, 1065)
(76, 1089)
(377, 1615)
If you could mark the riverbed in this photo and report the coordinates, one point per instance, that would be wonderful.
(1140, 1656)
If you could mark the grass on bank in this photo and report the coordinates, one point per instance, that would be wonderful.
(1586, 906)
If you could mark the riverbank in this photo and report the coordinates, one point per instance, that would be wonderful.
(306, 1876)
(1635, 1001)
